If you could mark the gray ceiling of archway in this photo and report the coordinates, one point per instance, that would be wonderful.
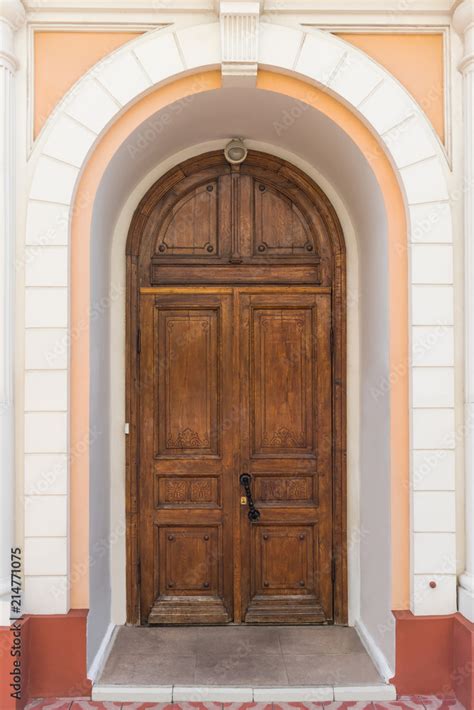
(253, 114)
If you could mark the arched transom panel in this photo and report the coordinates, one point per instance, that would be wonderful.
(261, 220)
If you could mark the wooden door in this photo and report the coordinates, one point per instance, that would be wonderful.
(187, 457)
(236, 366)
(286, 447)
(236, 381)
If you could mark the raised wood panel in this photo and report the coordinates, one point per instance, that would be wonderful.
(190, 228)
(187, 382)
(284, 560)
(284, 489)
(188, 561)
(280, 227)
(267, 273)
(200, 491)
(281, 375)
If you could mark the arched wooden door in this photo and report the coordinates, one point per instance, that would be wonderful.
(236, 342)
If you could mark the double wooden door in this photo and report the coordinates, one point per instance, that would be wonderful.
(236, 380)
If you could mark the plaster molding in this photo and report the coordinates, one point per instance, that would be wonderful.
(239, 37)
(13, 12)
(298, 12)
(378, 658)
(319, 58)
(463, 22)
(276, 6)
(102, 654)
(12, 15)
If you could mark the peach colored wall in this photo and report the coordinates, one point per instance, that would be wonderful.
(80, 276)
(61, 58)
(416, 60)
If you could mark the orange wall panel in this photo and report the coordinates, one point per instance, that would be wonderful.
(61, 58)
(416, 60)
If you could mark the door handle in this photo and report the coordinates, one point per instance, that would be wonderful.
(253, 514)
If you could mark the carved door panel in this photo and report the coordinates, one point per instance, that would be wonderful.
(286, 445)
(186, 458)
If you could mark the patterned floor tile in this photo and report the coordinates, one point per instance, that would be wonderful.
(411, 700)
(403, 703)
(349, 705)
(94, 705)
(49, 704)
(441, 702)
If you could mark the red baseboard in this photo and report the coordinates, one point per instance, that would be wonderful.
(13, 642)
(463, 661)
(434, 655)
(53, 658)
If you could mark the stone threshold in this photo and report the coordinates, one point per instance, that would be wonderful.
(181, 693)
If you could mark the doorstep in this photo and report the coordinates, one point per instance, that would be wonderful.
(239, 664)
(223, 694)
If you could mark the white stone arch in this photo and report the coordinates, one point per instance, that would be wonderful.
(62, 151)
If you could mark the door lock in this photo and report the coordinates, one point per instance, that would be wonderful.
(253, 514)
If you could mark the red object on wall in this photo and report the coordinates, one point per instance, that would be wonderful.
(434, 655)
(53, 658)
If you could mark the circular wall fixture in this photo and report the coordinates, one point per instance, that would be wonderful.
(235, 151)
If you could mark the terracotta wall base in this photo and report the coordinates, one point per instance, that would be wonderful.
(7, 667)
(53, 658)
(435, 655)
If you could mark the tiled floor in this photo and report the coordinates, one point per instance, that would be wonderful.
(238, 656)
(406, 703)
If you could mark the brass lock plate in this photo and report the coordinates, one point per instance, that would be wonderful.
(243, 500)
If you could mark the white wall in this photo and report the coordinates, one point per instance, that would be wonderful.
(312, 142)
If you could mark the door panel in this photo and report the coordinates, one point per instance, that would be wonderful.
(285, 376)
(188, 366)
(281, 376)
(186, 458)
